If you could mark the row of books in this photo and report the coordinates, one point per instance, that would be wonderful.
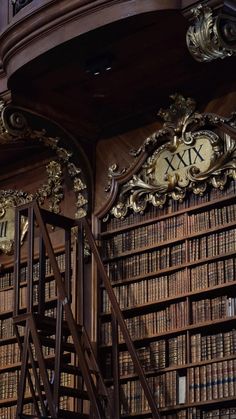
(175, 316)
(9, 412)
(212, 218)
(197, 413)
(212, 274)
(169, 352)
(10, 353)
(146, 291)
(212, 413)
(212, 381)
(172, 317)
(60, 258)
(6, 328)
(209, 382)
(151, 234)
(7, 300)
(7, 276)
(206, 347)
(171, 206)
(213, 308)
(141, 264)
(223, 413)
(180, 414)
(212, 245)
(201, 248)
(9, 382)
(155, 356)
(154, 289)
(168, 389)
(167, 229)
(216, 244)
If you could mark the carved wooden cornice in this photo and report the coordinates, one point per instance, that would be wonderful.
(190, 152)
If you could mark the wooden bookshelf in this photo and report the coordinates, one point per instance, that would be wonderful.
(10, 357)
(173, 271)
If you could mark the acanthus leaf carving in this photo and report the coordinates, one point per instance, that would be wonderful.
(190, 159)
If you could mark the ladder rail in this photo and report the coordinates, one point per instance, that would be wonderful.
(31, 386)
(44, 218)
(119, 316)
(62, 296)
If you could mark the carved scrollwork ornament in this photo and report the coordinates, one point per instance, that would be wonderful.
(9, 199)
(191, 157)
(211, 37)
(14, 127)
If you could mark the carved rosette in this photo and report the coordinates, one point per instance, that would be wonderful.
(189, 159)
(211, 37)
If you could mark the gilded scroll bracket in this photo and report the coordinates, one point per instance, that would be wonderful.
(211, 37)
(191, 157)
(15, 127)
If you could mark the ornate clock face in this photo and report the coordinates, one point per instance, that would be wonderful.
(169, 164)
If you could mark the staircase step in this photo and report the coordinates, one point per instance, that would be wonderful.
(73, 392)
(45, 325)
(51, 343)
(67, 414)
(50, 364)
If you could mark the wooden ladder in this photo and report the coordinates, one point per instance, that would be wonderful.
(36, 329)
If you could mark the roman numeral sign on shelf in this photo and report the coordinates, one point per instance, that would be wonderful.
(168, 237)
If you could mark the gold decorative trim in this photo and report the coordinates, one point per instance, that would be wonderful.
(53, 189)
(9, 199)
(188, 159)
(211, 37)
(15, 127)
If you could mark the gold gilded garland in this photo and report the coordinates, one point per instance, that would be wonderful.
(13, 128)
(188, 159)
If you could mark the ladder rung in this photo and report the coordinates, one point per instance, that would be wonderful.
(51, 343)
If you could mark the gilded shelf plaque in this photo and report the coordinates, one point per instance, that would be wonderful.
(176, 165)
(190, 152)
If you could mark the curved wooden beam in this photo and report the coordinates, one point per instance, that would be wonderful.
(43, 25)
